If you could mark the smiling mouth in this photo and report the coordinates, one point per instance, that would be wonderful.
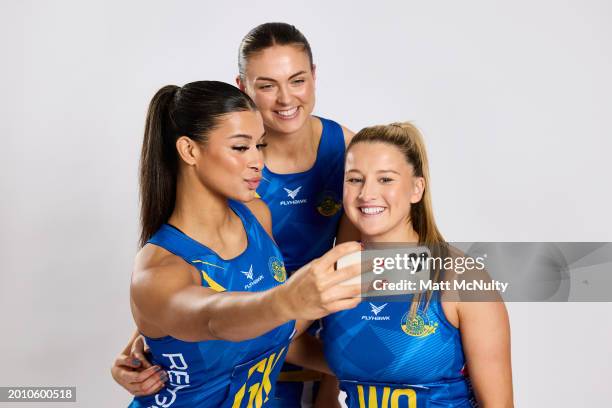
(372, 210)
(287, 113)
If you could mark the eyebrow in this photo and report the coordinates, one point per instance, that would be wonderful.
(245, 136)
(388, 171)
(240, 135)
(379, 171)
(274, 80)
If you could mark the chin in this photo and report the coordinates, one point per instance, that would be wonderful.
(372, 233)
(290, 126)
(373, 228)
(242, 196)
(248, 196)
(287, 128)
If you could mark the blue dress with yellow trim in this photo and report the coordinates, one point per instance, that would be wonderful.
(306, 208)
(218, 373)
(383, 358)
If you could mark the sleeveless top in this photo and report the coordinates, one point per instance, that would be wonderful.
(383, 358)
(306, 207)
(219, 373)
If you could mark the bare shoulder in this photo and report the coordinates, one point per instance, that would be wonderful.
(160, 282)
(348, 135)
(451, 297)
(467, 301)
(156, 266)
(261, 211)
(346, 132)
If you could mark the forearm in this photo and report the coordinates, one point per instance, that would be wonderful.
(241, 316)
(327, 396)
(128, 347)
(306, 351)
(233, 316)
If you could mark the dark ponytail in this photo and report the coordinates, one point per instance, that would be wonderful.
(266, 35)
(192, 111)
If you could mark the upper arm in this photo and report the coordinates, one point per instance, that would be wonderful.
(261, 211)
(166, 299)
(485, 335)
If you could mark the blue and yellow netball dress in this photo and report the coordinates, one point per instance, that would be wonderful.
(385, 359)
(306, 208)
(218, 373)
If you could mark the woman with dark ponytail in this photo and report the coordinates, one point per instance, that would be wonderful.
(208, 290)
(301, 184)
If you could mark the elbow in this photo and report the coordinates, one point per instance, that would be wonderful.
(217, 331)
(213, 331)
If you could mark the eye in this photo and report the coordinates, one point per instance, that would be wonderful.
(354, 180)
(265, 87)
(240, 149)
(261, 146)
(385, 180)
(298, 81)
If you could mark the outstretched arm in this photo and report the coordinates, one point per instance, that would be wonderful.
(166, 299)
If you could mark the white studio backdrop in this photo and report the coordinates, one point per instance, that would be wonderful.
(514, 100)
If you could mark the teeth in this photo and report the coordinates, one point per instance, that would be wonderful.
(372, 210)
(289, 112)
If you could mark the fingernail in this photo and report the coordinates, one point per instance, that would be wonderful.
(156, 368)
(163, 376)
(135, 361)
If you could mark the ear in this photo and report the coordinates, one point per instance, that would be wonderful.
(239, 83)
(418, 189)
(188, 150)
(314, 71)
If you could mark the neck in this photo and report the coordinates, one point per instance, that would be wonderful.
(292, 144)
(198, 211)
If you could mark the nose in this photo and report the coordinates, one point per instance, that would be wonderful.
(283, 96)
(256, 161)
(369, 190)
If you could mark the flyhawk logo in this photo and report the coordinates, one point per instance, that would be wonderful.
(293, 193)
(249, 276)
(249, 273)
(376, 310)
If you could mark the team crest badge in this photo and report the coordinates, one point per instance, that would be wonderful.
(277, 269)
(328, 204)
(419, 326)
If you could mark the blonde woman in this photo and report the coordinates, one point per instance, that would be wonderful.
(416, 355)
